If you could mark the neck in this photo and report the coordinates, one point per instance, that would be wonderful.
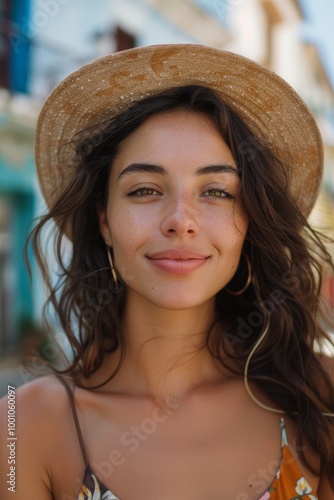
(166, 353)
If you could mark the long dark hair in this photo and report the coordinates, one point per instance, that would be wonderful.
(287, 259)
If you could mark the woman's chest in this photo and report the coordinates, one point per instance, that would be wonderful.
(200, 472)
(196, 453)
(197, 471)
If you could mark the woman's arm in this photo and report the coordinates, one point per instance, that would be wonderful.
(325, 492)
(23, 458)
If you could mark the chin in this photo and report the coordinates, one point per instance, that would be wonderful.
(172, 296)
(178, 301)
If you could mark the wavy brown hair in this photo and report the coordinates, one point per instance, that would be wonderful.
(287, 257)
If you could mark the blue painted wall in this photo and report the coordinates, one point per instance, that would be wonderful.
(20, 45)
(17, 188)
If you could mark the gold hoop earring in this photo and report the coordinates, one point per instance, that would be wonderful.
(113, 272)
(248, 281)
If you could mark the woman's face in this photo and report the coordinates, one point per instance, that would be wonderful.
(172, 218)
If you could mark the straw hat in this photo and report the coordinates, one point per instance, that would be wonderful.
(105, 87)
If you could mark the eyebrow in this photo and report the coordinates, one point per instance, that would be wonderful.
(157, 169)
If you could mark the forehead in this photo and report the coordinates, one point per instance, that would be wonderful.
(174, 136)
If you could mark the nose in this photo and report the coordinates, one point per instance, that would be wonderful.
(180, 218)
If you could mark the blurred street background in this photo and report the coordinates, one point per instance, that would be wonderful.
(42, 41)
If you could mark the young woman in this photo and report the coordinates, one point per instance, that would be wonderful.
(183, 177)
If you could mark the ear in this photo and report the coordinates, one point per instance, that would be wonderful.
(104, 226)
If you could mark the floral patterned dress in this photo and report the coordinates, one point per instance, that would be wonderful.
(94, 489)
(289, 484)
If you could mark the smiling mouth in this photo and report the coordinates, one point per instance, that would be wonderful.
(179, 266)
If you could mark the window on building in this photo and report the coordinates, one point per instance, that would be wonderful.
(124, 40)
(5, 9)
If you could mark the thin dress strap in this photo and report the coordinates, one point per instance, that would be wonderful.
(75, 417)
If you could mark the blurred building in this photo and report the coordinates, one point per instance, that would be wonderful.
(268, 31)
(41, 41)
(17, 182)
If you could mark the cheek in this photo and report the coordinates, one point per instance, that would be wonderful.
(128, 230)
(230, 230)
(240, 224)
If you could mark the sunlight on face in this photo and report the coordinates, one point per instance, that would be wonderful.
(172, 217)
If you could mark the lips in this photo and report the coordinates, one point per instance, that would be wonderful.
(178, 261)
(178, 254)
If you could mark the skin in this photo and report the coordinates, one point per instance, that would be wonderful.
(166, 314)
(171, 411)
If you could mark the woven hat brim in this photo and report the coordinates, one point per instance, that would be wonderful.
(104, 88)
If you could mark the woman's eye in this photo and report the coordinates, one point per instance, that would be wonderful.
(211, 193)
(217, 193)
(145, 191)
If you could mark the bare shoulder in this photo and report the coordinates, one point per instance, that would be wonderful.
(41, 394)
(38, 402)
(325, 492)
(30, 419)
